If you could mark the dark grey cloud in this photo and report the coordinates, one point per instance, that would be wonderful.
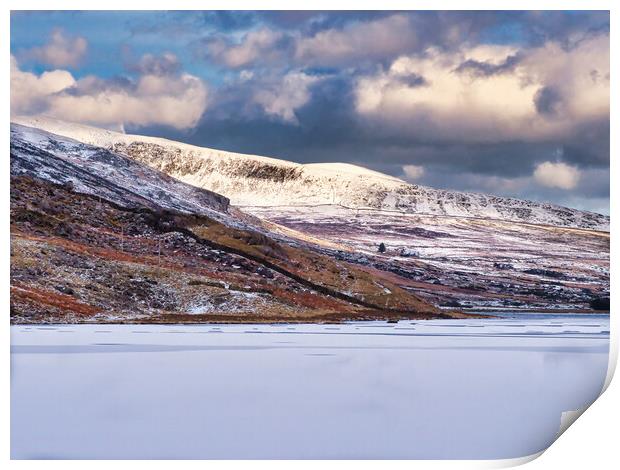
(90, 85)
(589, 145)
(309, 22)
(486, 69)
(413, 80)
(591, 193)
(548, 101)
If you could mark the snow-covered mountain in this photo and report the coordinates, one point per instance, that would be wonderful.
(113, 239)
(100, 172)
(250, 180)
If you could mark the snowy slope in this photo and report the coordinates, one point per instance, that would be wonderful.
(250, 180)
(100, 172)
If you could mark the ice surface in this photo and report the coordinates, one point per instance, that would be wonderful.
(429, 389)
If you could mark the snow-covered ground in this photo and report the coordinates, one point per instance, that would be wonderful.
(100, 172)
(432, 389)
(490, 263)
(255, 180)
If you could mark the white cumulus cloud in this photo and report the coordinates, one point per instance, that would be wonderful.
(177, 100)
(283, 97)
(255, 45)
(490, 93)
(30, 93)
(363, 40)
(62, 50)
(557, 175)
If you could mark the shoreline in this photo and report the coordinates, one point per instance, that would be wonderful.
(550, 311)
(327, 319)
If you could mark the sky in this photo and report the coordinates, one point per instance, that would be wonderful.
(508, 103)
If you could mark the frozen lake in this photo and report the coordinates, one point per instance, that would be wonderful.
(429, 389)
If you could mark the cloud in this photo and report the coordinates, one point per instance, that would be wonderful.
(364, 39)
(476, 99)
(546, 93)
(177, 100)
(368, 40)
(282, 98)
(226, 19)
(486, 69)
(263, 44)
(348, 41)
(150, 64)
(547, 101)
(590, 193)
(62, 50)
(30, 93)
(578, 74)
(413, 172)
(556, 175)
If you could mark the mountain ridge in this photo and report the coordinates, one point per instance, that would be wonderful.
(252, 180)
(99, 237)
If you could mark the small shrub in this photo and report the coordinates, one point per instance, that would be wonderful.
(599, 303)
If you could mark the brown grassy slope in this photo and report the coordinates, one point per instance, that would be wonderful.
(333, 277)
(76, 258)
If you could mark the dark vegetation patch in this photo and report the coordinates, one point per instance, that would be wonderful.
(171, 161)
(600, 303)
(546, 273)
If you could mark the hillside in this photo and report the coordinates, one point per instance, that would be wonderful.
(99, 237)
(464, 262)
(251, 181)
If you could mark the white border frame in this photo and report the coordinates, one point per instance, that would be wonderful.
(591, 442)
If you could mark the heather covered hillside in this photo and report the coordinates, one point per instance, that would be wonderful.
(327, 253)
(108, 240)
